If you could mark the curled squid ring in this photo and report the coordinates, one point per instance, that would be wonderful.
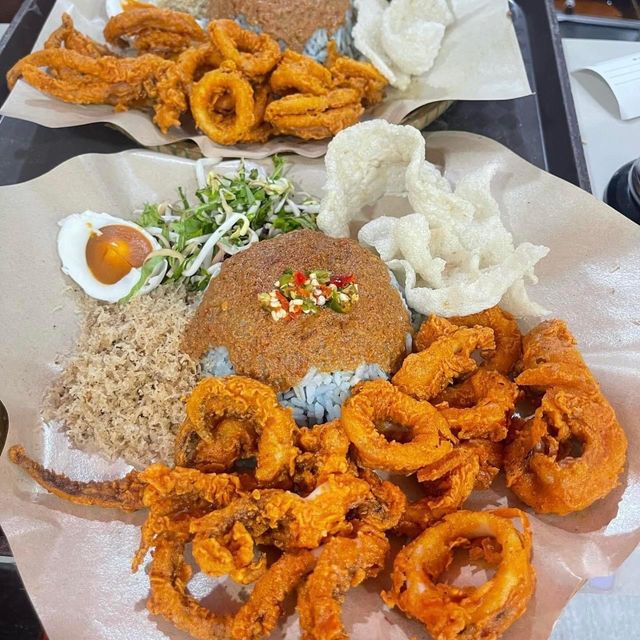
(206, 94)
(452, 613)
(362, 76)
(296, 73)
(573, 450)
(505, 331)
(261, 130)
(427, 373)
(255, 54)
(378, 401)
(215, 399)
(315, 117)
(481, 407)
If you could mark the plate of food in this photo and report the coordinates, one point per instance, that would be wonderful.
(250, 80)
(375, 395)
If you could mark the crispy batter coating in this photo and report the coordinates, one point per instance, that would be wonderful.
(343, 564)
(255, 54)
(222, 126)
(573, 450)
(313, 117)
(152, 28)
(385, 506)
(230, 441)
(231, 554)
(488, 400)
(68, 37)
(286, 520)
(169, 575)
(362, 76)
(472, 613)
(124, 493)
(325, 450)
(378, 401)
(507, 336)
(425, 374)
(259, 616)
(296, 73)
(249, 401)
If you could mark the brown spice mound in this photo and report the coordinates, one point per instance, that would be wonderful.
(293, 23)
(281, 353)
(120, 392)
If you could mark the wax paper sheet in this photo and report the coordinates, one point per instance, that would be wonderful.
(479, 60)
(75, 560)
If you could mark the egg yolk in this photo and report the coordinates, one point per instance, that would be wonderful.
(114, 251)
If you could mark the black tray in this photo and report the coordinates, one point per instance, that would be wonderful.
(541, 128)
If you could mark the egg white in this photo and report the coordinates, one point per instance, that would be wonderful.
(75, 231)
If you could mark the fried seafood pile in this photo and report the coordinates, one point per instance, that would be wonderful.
(313, 517)
(237, 84)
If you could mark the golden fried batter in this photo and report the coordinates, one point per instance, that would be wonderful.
(425, 374)
(285, 519)
(465, 613)
(378, 401)
(248, 401)
(572, 452)
(343, 564)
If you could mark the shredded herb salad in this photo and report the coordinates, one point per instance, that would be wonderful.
(231, 212)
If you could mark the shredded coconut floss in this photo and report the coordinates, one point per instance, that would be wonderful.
(120, 393)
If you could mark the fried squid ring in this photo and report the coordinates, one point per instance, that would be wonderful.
(255, 54)
(325, 450)
(151, 27)
(249, 401)
(573, 450)
(472, 613)
(362, 76)
(124, 493)
(315, 117)
(425, 374)
(344, 563)
(377, 401)
(261, 130)
(296, 73)
(488, 400)
(231, 440)
(506, 333)
(220, 126)
(448, 483)
(169, 575)
(287, 520)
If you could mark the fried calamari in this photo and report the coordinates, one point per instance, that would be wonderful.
(473, 613)
(425, 374)
(236, 83)
(429, 437)
(572, 451)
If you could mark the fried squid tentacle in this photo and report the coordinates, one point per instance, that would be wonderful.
(286, 520)
(343, 564)
(259, 615)
(124, 493)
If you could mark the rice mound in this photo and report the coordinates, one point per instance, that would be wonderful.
(120, 393)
